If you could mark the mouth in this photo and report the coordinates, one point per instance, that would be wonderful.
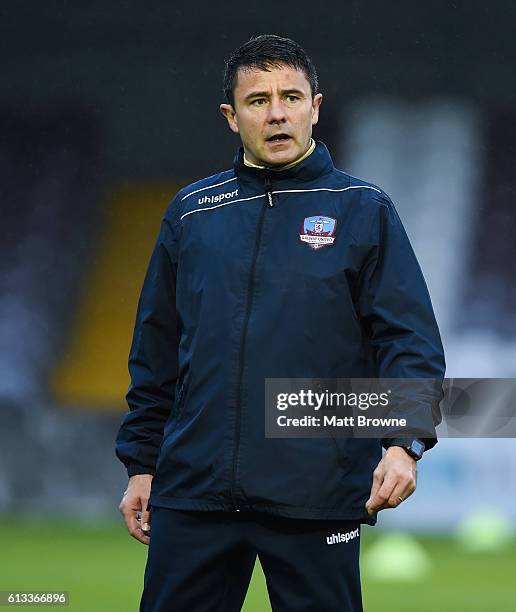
(277, 138)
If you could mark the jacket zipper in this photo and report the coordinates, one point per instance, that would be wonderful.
(250, 290)
(268, 190)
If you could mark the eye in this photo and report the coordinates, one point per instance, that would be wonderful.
(258, 102)
(292, 98)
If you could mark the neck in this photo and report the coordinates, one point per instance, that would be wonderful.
(311, 147)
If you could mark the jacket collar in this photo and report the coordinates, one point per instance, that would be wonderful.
(316, 164)
(309, 151)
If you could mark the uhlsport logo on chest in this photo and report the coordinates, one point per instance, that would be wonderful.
(318, 231)
(217, 198)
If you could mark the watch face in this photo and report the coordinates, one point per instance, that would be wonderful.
(417, 447)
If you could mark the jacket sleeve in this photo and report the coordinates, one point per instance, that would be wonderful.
(396, 312)
(153, 359)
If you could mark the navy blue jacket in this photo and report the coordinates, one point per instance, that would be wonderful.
(256, 274)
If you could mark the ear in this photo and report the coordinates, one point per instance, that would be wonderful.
(229, 112)
(316, 103)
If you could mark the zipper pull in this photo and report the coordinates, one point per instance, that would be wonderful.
(268, 190)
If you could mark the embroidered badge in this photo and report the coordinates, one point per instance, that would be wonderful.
(318, 231)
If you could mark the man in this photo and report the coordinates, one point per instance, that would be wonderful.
(282, 267)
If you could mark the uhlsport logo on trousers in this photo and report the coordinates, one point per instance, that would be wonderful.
(336, 538)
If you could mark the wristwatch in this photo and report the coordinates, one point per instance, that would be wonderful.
(414, 447)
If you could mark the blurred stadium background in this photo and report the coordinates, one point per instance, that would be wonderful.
(105, 111)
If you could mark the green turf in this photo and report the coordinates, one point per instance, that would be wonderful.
(102, 568)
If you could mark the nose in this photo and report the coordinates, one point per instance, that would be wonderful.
(276, 112)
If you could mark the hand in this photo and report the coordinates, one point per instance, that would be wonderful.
(394, 477)
(135, 499)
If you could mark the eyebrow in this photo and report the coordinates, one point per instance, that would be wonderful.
(265, 94)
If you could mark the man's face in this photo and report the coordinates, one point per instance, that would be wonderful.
(274, 113)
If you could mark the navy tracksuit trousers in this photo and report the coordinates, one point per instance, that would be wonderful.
(202, 561)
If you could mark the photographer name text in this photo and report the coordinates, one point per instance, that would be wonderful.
(334, 421)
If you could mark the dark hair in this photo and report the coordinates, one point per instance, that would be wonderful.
(263, 53)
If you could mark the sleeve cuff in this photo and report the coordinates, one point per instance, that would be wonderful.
(133, 470)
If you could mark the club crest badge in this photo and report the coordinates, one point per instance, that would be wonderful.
(318, 231)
